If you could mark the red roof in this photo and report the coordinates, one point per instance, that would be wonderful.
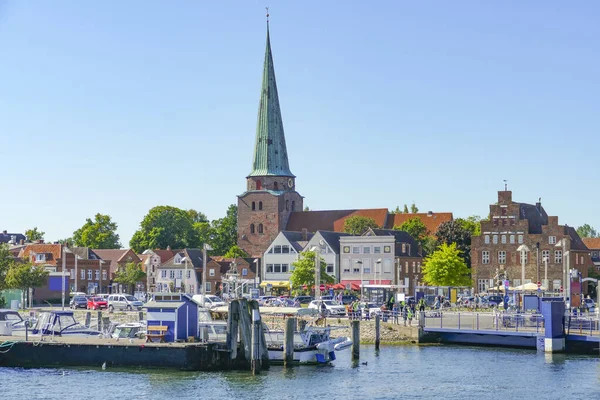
(52, 251)
(332, 220)
(592, 243)
(431, 220)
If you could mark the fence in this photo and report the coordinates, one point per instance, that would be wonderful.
(582, 324)
(513, 322)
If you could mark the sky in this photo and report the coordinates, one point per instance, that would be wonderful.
(116, 107)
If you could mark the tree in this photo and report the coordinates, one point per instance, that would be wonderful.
(197, 216)
(98, 234)
(165, 226)
(397, 210)
(306, 208)
(405, 211)
(25, 276)
(224, 231)
(6, 261)
(413, 208)
(130, 275)
(304, 271)
(472, 224)
(586, 231)
(235, 251)
(34, 235)
(67, 242)
(453, 232)
(357, 225)
(415, 228)
(446, 267)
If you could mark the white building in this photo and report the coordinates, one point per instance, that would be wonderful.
(279, 257)
(180, 273)
(329, 249)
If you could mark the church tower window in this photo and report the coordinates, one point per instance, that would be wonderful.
(251, 228)
(260, 205)
(260, 228)
(258, 185)
(253, 206)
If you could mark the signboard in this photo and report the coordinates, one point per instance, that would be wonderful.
(269, 287)
(254, 293)
(322, 287)
(506, 283)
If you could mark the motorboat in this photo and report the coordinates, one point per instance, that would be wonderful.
(11, 321)
(60, 323)
(130, 330)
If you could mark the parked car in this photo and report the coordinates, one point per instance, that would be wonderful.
(331, 307)
(263, 299)
(495, 301)
(349, 298)
(78, 302)
(97, 303)
(123, 302)
(327, 297)
(589, 304)
(371, 308)
(304, 299)
(210, 301)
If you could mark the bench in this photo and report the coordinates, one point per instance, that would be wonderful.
(156, 332)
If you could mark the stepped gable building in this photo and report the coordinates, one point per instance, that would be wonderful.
(270, 196)
(512, 224)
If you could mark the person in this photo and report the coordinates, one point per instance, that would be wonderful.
(296, 303)
(384, 313)
(395, 313)
(323, 309)
(436, 304)
(356, 310)
(410, 316)
(422, 304)
(405, 314)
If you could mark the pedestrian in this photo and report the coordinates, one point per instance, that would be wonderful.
(356, 310)
(405, 314)
(395, 313)
(422, 304)
(410, 316)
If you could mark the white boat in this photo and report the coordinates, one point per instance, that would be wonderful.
(13, 321)
(130, 330)
(60, 323)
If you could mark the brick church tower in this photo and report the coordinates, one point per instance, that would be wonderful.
(270, 196)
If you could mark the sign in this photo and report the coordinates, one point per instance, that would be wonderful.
(506, 283)
(254, 293)
(539, 284)
(269, 287)
(348, 287)
(322, 287)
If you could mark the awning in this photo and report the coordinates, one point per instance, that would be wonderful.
(276, 284)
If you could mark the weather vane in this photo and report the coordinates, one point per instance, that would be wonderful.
(505, 185)
(267, 8)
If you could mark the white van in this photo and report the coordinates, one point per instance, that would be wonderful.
(210, 301)
(123, 302)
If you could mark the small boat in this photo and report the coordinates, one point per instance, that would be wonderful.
(130, 330)
(17, 323)
(60, 323)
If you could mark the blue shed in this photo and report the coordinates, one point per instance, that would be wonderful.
(177, 311)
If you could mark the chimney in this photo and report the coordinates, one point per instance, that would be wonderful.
(22, 242)
(505, 197)
(168, 247)
(304, 234)
(538, 205)
(429, 213)
(41, 241)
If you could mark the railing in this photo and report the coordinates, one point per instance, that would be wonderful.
(488, 321)
(586, 324)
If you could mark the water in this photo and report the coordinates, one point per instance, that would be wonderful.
(393, 373)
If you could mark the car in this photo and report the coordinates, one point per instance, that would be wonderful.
(588, 304)
(348, 298)
(371, 308)
(303, 299)
(331, 307)
(327, 297)
(210, 300)
(96, 303)
(263, 299)
(123, 302)
(78, 302)
(495, 301)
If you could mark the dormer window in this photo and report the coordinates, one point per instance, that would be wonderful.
(177, 260)
(40, 258)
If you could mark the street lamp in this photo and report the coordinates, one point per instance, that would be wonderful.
(316, 249)
(523, 249)
(255, 271)
(361, 277)
(562, 243)
(378, 262)
(185, 284)
(205, 247)
(100, 262)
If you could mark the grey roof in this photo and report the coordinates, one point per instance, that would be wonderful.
(6, 237)
(194, 256)
(164, 304)
(576, 242)
(536, 216)
(297, 239)
(333, 239)
(400, 237)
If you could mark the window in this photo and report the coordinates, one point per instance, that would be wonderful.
(512, 239)
(406, 267)
(487, 239)
(104, 275)
(595, 254)
(403, 247)
(277, 249)
(285, 249)
(251, 228)
(483, 285)
(346, 265)
(244, 271)
(517, 282)
(504, 222)
(485, 257)
(258, 185)
(40, 257)
(260, 205)
(520, 239)
(581, 260)
(163, 273)
(356, 250)
(503, 210)
(189, 274)
(387, 249)
(253, 205)
(502, 257)
(208, 286)
(260, 228)
(97, 275)
(366, 250)
(346, 249)
(211, 272)
(551, 239)
(524, 256)
(356, 269)
(503, 239)
(293, 205)
(180, 274)
(269, 267)
(90, 274)
(512, 222)
(376, 249)
(414, 267)
(495, 222)
(284, 268)
(557, 256)
(83, 274)
(495, 239)
(387, 265)
(72, 274)
(329, 268)
(419, 267)
(546, 255)
(171, 274)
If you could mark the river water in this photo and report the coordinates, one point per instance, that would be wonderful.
(399, 372)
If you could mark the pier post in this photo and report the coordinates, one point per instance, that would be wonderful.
(100, 321)
(233, 328)
(355, 340)
(554, 339)
(255, 363)
(377, 330)
(288, 342)
(141, 316)
(88, 319)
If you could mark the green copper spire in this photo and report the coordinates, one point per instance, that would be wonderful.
(270, 153)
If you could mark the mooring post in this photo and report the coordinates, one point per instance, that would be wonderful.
(141, 316)
(255, 363)
(88, 319)
(288, 342)
(100, 321)
(377, 326)
(355, 340)
(233, 328)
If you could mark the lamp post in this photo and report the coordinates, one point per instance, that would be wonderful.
(563, 244)
(185, 283)
(316, 249)
(65, 250)
(546, 272)
(76, 280)
(361, 277)
(100, 262)
(255, 271)
(378, 274)
(205, 248)
(523, 249)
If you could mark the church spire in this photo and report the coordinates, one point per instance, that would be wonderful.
(270, 152)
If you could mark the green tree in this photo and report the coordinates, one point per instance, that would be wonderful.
(101, 233)
(25, 276)
(165, 226)
(197, 216)
(471, 224)
(446, 267)
(357, 224)
(6, 261)
(413, 208)
(405, 211)
(224, 231)
(131, 274)
(397, 210)
(34, 235)
(69, 242)
(415, 228)
(453, 232)
(235, 251)
(304, 271)
(586, 231)
(306, 208)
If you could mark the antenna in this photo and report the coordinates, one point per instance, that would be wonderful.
(505, 185)
(267, 8)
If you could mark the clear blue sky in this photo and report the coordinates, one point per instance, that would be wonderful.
(119, 106)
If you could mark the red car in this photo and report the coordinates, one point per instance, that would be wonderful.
(96, 303)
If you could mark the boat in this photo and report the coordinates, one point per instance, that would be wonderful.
(129, 330)
(14, 320)
(60, 323)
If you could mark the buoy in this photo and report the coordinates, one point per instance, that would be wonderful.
(103, 366)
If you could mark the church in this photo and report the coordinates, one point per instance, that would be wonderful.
(271, 203)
